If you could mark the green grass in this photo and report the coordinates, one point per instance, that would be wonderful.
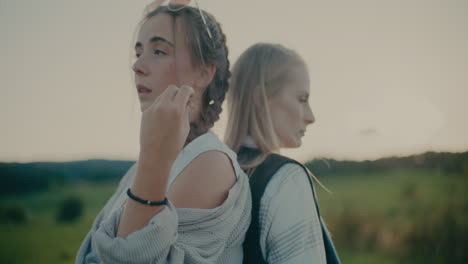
(348, 256)
(389, 201)
(42, 240)
(383, 193)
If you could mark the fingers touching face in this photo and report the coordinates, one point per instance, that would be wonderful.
(176, 99)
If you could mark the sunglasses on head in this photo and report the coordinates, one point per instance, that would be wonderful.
(177, 5)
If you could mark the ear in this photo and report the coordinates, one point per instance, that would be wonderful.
(206, 75)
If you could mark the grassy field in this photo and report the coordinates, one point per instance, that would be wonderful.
(42, 239)
(386, 193)
(387, 198)
(370, 215)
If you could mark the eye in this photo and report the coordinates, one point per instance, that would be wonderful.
(159, 52)
(138, 51)
(303, 99)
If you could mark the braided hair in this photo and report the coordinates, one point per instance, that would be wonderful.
(204, 50)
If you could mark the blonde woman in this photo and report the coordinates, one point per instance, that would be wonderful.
(269, 109)
(186, 200)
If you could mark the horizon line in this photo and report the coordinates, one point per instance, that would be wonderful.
(308, 160)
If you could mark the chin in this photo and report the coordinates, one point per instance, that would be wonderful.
(293, 143)
(144, 106)
(297, 145)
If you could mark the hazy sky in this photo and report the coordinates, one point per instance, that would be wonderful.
(387, 77)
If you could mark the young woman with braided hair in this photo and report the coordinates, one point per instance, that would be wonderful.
(186, 200)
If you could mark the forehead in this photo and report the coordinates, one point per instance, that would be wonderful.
(161, 25)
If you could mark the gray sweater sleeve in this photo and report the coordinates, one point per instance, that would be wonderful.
(155, 243)
(151, 244)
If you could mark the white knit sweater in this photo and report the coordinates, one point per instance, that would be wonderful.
(290, 231)
(175, 235)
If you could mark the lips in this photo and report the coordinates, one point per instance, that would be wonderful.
(143, 90)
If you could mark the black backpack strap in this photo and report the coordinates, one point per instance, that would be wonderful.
(259, 179)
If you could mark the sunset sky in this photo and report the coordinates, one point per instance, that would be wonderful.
(387, 77)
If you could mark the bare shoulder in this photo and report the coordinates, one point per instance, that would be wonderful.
(204, 183)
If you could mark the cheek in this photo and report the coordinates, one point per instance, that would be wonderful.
(163, 71)
(292, 121)
(162, 75)
(195, 106)
(282, 125)
(292, 115)
(298, 114)
(184, 70)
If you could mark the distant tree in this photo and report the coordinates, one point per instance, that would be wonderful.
(13, 215)
(465, 172)
(70, 210)
(450, 163)
(20, 178)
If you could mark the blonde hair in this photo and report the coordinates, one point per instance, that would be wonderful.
(258, 75)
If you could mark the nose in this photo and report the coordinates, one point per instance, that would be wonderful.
(140, 68)
(309, 117)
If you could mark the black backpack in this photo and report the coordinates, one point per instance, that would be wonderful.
(259, 178)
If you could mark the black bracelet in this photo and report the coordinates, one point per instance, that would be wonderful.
(151, 203)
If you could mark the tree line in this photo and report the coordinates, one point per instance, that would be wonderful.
(20, 178)
(445, 162)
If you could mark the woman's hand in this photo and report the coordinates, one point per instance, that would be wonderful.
(164, 130)
(165, 124)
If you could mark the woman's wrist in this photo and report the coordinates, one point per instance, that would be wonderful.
(148, 156)
(151, 177)
(154, 161)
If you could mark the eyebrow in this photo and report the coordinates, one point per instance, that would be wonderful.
(155, 39)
